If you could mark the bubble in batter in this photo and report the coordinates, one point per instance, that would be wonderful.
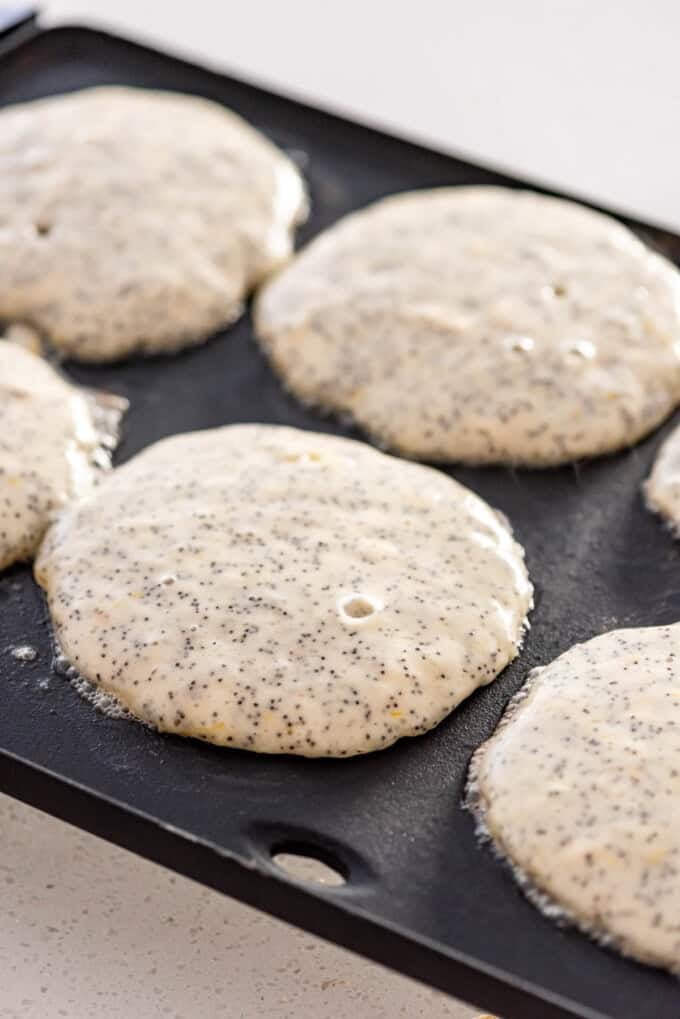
(134, 221)
(579, 788)
(480, 325)
(284, 591)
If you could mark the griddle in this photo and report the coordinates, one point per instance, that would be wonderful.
(421, 895)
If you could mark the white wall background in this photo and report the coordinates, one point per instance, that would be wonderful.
(581, 93)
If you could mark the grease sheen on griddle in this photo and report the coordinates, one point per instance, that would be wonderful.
(285, 591)
(481, 325)
(580, 789)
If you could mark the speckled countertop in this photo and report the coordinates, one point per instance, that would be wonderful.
(89, 930)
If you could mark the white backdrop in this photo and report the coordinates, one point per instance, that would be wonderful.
(582, 93)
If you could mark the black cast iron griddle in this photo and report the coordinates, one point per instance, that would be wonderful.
(421, 895)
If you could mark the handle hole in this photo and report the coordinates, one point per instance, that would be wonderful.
(311, 864)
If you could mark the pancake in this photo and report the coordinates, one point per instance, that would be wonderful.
(579, 788)
(480, 325)
(134, 221)
(55, 439)
(284, 591)
(662, 488)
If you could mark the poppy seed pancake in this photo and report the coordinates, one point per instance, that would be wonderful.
(480, 325)
(579, 788)
(662, 487)
(134, 221)
(285, 591)
(55, 439)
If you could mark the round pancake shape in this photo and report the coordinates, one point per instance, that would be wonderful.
(54, 441)
(662, 488)
(284, 591)
(134, 221)
(579, 788)
(480, 325)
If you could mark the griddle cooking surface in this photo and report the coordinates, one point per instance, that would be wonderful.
(422, 896)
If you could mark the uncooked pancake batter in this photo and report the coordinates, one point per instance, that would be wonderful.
(480, 325)
(54, 441)
(137, 221)
(284, 591)
(580, 789)
(662, 488)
